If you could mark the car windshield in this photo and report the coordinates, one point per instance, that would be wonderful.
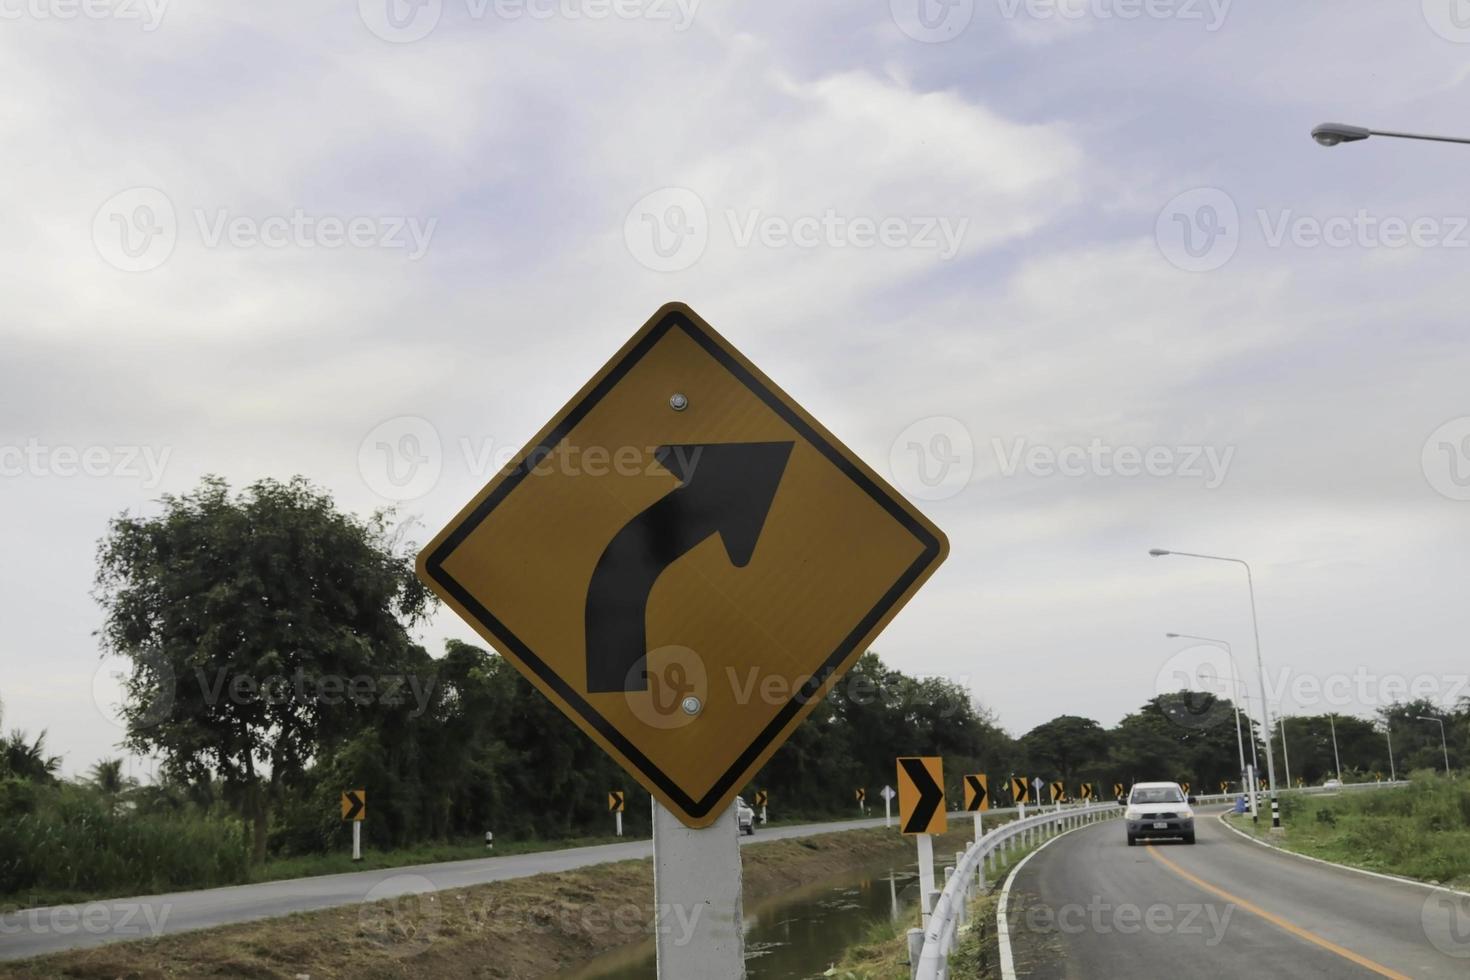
(1157, 794)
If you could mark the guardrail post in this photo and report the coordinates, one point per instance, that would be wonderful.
(916, 951)
(948, 874)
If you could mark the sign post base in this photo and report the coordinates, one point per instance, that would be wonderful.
(699, 932)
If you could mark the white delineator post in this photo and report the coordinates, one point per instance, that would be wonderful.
(888, 809)
(357, 840)
(979, 830)
(699, 932)
(763, 814)
(618, 814)
(926, 874)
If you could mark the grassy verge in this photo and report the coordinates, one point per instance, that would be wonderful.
(527, 927)
(156, 863)
(884, 954)
(1421, 831)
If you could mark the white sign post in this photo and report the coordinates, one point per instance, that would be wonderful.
(1038, 784)
(926, 875)
(357, 840)
(888, 795)
(979, 830)
(618, 815)
(699, 932)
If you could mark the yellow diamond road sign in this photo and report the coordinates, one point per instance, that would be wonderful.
(684, 561)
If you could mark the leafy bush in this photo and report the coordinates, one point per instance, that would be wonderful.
(64, 840)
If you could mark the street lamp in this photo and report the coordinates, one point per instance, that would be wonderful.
(1442, 743)
(1285, 755)
(1235, 681)
(1260, 665)
(1331, 134)
(1336, 759)
(1388, 730)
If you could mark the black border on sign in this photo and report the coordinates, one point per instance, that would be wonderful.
(700, 808)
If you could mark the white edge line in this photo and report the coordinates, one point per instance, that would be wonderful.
(1399, 879)
(1002, 926)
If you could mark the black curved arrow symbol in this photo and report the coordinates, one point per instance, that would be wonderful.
(725, 489)
(931, 796)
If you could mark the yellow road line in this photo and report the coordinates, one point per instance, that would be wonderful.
(1277, 920)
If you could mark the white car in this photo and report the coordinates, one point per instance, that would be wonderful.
(1158, 810)
(1332, 784)
(744, 816)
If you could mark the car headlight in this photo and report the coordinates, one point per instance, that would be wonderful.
(1131, 814)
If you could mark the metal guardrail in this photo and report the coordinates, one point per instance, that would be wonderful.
(944, 913)
(929, 947)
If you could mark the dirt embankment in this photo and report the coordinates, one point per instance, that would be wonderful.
(523, 928)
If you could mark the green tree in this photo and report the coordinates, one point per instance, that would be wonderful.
(258, 626)
(1065, 745)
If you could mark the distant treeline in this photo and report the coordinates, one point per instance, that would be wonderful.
(272, 669)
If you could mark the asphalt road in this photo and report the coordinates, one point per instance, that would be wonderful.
(35, 932)
(1091, 906)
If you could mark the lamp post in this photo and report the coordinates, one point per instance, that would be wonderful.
(1332, 134)
(1260, 665)
(1443, 744)
(1285, 755)
(1336, 759)
(1235, 682)
(1388, 730)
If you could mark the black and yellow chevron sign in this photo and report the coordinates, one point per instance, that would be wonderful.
(861, 795)
(354, 804)
(977, 792)
(1185, 787)
(921, 795)
(615, 801)
(1117, 791)
(1058, 790)
(1020, 789)
(761, 797)
(1085, 792)
(1224, 785)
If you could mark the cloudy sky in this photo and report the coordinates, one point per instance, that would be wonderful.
(1071, 273)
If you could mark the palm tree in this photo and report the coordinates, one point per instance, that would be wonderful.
(107, 776)
(108, 779)
(28, 759)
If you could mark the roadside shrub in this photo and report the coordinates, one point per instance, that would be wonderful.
(71, 841)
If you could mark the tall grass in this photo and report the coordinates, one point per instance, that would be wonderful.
(1421, 831)
(64, 842)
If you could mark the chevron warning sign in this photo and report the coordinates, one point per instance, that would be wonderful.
(1117, 791)
(1058, 791)
(354, 804)
(977, 792)
(1085, 792)
(762, 797)
(615, 801)
(1019, 789)
(1185, 787)
(921, 795)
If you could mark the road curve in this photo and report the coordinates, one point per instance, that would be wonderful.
(1090, 906)
(36, 932)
